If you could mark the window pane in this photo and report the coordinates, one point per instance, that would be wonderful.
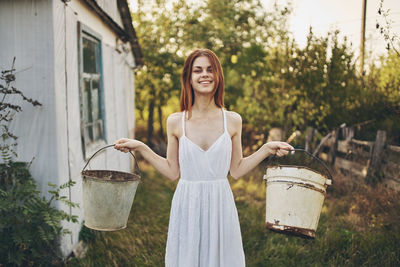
(90, 55)
(92, 117)
(95, 100)
(89, 135)
(98, 130)
(87, 114)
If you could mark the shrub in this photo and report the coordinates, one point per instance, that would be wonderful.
(29, 224)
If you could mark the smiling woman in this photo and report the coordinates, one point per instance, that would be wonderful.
(204, 144)
(202, 66)
(202, 76)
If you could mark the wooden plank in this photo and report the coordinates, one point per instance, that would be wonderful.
(353, 167)
(329, 141)
(347, 147)
(333, 147)
(325, 141)
(363, 143)
(344, 146)
(376, 155)
(348, 133)
(394, 148)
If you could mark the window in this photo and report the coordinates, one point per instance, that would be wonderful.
(91, 91)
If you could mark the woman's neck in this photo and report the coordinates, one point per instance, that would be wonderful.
(204, 104)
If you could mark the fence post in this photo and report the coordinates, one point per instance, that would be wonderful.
(333, 148)
(376, 155)
(309, 138)
(348, 133)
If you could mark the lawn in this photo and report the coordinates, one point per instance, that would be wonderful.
(359, 226)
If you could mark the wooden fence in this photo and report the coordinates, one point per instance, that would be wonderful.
(358, 158)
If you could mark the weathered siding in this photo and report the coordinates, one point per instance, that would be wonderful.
(43, 35)
(118, 91)
(111, 8)
(26, 30)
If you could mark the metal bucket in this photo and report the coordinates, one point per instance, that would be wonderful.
(108, 196)
(294, 198)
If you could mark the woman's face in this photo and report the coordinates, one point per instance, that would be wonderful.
(202, 77)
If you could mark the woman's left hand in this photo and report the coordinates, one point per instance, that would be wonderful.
(278, 148)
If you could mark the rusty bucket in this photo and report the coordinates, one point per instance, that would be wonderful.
(294, 198)
(108, 196)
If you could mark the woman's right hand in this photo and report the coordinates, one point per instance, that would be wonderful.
(126, 145)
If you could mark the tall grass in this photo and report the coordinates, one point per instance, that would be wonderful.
(359, 226)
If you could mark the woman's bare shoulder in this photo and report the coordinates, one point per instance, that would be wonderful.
(234, 118)
(175, 116)
(234, 122)
(174, 122)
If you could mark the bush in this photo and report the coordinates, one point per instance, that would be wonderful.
(29, 225)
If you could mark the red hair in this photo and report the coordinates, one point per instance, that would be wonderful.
(187, 94)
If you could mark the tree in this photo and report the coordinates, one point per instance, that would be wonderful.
(240, 33)
(158, 80)
(269, 80)
(384, 25)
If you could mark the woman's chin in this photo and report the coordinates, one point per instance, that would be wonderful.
(203, 89)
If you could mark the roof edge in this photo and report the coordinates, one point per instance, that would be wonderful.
(128, 34)
(127, 21)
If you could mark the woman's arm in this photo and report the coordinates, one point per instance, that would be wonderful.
(241, 166)
(169, 166)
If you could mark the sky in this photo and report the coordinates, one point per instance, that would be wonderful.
(344, 15)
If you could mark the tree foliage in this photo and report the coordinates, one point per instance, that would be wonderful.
(269, 79)
(385, 26)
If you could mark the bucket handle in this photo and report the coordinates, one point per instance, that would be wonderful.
(137, 169)
(314, 157)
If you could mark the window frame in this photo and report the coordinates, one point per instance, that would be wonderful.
(88, 149)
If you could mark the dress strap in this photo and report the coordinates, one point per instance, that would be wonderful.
(183, 123)
(225, 127)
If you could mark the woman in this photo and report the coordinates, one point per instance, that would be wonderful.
(204, 143)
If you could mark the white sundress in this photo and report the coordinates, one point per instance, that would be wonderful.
(204, 228)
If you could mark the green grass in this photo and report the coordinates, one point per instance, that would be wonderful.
(359, 226)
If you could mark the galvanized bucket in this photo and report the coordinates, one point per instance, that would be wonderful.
(108, 196)
(294, 198)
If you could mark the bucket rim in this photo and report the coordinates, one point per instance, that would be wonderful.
(330, 178)
(292, 230)
(136, 169)
(105, 229)
(135, 176)
(298, 167)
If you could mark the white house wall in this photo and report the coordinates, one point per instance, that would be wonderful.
(90, 19)
(67, 102)
(111, 8)
(26, 31)
(130, 101)
(118, 94)
(42, 34)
